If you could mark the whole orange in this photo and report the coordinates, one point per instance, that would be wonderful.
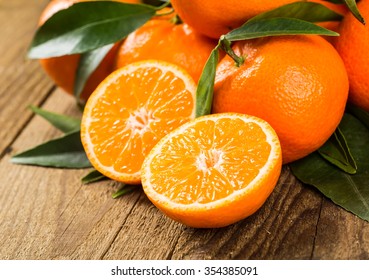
(164, 40)
(296, 83)
(216, 17)
(62, 70)
(353, 46)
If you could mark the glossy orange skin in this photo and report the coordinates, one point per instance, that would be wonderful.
(163, 40)
(353, 46)
(214, 18)
(297, 83)
(62, 69)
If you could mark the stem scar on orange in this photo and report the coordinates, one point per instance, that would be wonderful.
(296, 83)
(213, 171)
(130, 111)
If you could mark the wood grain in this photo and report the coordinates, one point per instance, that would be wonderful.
(146, 234)
(47, 213)
(341, 235)
(284, 227)
(21, 81)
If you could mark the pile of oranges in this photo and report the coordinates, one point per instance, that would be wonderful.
(280, 105)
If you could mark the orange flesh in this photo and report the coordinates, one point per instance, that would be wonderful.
(134, 113)
(217, 165)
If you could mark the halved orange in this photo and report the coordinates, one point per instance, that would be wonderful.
(130, 111)
(214, 170)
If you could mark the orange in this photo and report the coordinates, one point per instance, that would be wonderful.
(163, 40)
(214, 18)
(213, 171)
(62, 70)
(296, 83)
(130, 111)
(353, 46)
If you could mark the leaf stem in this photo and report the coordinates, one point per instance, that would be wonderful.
(166, 4)
(226, 46)
(171, 11)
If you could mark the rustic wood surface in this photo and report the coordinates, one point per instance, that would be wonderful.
(47, 213)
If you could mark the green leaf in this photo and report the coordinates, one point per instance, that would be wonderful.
(359, 113)
(349, 191)
(276, 27)
(156, 3)
(337, 152)
(204, 93)
(125, 189)
(64, 152)
(307, 11)
(87, 26)
(87, 65)
(64, 123)
(351, 4)
(93, 176)
(335, 1)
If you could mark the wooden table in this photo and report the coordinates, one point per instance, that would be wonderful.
(47, 213)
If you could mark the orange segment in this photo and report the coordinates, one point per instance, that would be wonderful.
(130, 111)
(214, 170)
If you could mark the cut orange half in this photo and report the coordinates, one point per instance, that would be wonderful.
(214, 170)
(130, 111)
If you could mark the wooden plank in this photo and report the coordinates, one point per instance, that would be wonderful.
(341, 235)
(146, 234)
(284, 228)
(47, 213)
(22, 81)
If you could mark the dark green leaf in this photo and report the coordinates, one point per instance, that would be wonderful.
(204, 93)
(125, 189)
(359, 113)
(351, 4)
(62, 122)
(156, 3)
(337, 152)
(87, 65)
(307, 11)
(349, 191)
(87, 26)
(335, 1)
(276, 27)
(93, 176)
(64, 152)
(226, 46)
